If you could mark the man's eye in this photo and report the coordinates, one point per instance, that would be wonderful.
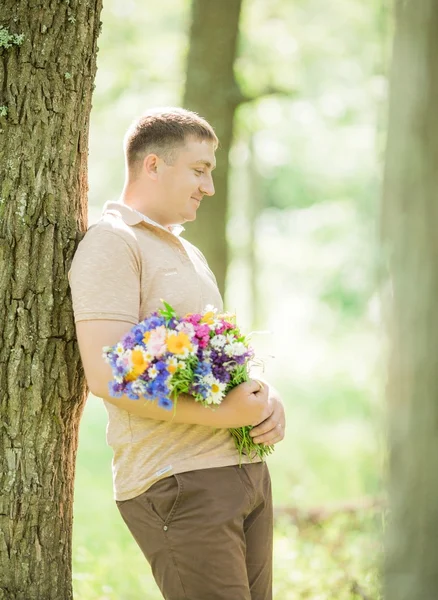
(199, 171)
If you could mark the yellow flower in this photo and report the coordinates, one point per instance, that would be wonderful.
(172, 365)
(178, 343)
(140, 364)
(146, 337)
(208, 318)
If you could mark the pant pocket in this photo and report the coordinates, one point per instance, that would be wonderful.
(164, 497)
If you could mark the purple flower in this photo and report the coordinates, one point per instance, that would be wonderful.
(241, 360)
(172, 323)
(115, 389)
(221, 373)
(129, 341)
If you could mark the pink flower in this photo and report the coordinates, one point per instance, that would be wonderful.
(193, 319)
(224, 326)
(202, 331)
(157, 341)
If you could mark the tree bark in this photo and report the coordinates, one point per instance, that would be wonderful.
(46, 81)
(211, 90)
(410, 225)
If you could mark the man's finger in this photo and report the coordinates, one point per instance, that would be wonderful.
(274, 435)
(255, 386)
(268, 440)
(263, 427)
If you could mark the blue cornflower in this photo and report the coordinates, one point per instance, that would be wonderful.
(202, 368)
(130, 393)
(201, 389)
(119, 368)
(138, 334)
(153, 322)
(158, 387)
(165, 402)
(114, 357)
(161, 366)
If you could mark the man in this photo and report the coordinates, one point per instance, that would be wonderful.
(203, 523)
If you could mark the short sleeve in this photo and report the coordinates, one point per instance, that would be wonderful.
(105, 277)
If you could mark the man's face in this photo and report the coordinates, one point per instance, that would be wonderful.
(184, 183)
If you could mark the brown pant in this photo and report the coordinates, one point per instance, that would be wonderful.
(207, 534)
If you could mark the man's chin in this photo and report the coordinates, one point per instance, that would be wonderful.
(187, 217)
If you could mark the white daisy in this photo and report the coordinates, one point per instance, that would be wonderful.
(235, 349)
(218, 341)
(152, 372)
(217, 389)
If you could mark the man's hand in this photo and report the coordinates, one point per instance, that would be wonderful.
(271, 430)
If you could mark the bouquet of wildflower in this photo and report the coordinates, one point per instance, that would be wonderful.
(204, 355)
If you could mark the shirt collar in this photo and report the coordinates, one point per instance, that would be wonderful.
(133, 217)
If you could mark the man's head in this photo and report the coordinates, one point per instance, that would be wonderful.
(170, 154)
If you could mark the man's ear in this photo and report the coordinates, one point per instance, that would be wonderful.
(150, 165)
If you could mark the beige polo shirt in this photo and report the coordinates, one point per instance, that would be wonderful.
(123, 267)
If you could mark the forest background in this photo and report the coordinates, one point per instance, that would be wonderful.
(302, 232)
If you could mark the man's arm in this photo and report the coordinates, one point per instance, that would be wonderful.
(247, 404)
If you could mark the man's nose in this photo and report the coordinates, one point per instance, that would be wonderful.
(207, 187)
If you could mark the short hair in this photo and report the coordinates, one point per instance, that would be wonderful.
(163, 131)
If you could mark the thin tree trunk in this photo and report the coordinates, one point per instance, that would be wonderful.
(410, 220)
(253, 211)
(46, 84)
(211, 90)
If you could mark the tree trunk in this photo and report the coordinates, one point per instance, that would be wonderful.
(47, 68)
(254, 207)
(211, 90)
(410, 221)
